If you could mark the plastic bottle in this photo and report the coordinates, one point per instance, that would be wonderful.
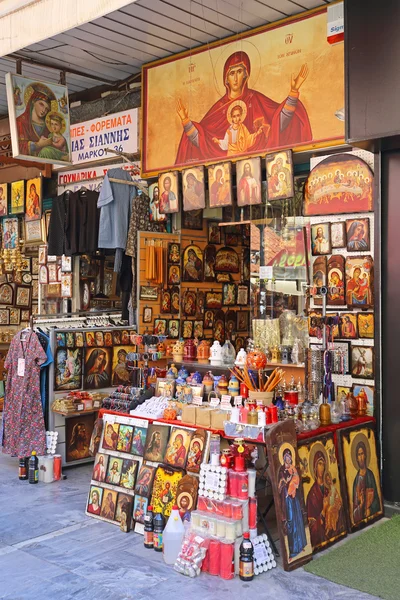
(148, 528)
(246, 560)
(33, 468)
(158, 524)
(172, 537)
(23, 471)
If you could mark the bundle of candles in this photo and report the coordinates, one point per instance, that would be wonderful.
(256, 383)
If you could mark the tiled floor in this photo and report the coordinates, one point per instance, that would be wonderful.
(49, 550)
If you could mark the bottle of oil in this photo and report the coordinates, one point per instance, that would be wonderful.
(246, 560)
(159, 524)
(33, 468)
(148, 528)
(23, 468)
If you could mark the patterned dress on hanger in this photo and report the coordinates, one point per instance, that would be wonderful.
(24, 428)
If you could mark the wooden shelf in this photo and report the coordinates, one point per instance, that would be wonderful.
(76, 413)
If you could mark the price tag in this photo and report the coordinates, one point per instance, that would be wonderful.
(238, 400)
(197, 400)
(21, 367)
(214, 402)
(80, 407)
(226, 401)
(266, 272)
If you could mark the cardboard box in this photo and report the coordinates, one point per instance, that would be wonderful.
(189, 414)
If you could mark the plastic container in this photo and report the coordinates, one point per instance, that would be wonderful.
(214, 550)
(173, 536)
(227, 566)
(33, 468)
(243, 485)
(46, 469)
(233, 483)
(158, 523)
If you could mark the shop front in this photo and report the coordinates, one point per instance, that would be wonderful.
(210, 309)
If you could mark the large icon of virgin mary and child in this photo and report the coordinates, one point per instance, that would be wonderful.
(244, 120)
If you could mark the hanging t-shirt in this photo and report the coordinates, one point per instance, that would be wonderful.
(115, 203)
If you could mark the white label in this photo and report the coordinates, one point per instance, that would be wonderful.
(260, 553)
(266, 272)
(214, 402)
(247, 545)
(238, 400)
(197, 400)
(21, 367)
(225, 401)
(212, 481)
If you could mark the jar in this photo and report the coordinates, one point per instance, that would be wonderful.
(203, 351)
(189, 350)
(226, 458)
(215, 444)
(233, 387)
(208, 382)
(228, 354)
(222, 385)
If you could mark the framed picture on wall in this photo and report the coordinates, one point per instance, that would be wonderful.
(33, 204)
(17, 197)
(280, 175)
(168, 185)
(3, 199)
(220, 185)
(194, 196)
(34, 232)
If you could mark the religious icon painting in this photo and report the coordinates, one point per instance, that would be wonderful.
(90, 339)
(99, 338)
(229, 294)
(15, 316)
(213, 300)
(294, 532)
(248, 177)
(128, 473)
(319, 272)
(178, 446)
(3, 199)
(116, 335)
(156, 443)
(110, 436)
(165, 489)
(60, 339)
(33, 204)
(78, 433)
(341, 393)
(174, 253)
(193, 219)
(196, 451)
(144, 480)
(148, 292)
(97, 368)
(108, 339)
(208, 319)
(200, 301)
(175, 299)
(108, 504)
(194, 197)
(192, 263)
(357, 235)
(198, 329)
(230, 239)
(322, 487)
(42, 257)
(124, 507)
(17, 197)
(364, 396)
(160, 326)
(230, 323)
(338, 234)
(168, 185)
(114, 470)
(219, 326)
(68, 369)
(227, 261)
(70, 339)
(25, 314)
(320, 239)
(138, 441)
(280, 184)
(6, 293)
(242, 295)
(147, 315)
(359, 465)
(173, 328)
(220, 185)
(186, 496)
(336, 277)
(239, 343)
(187, 329)
(120, 374)
(165, 305)
(125, 436)
(335, 330)
(214, 233)
(140, 508)
(94, 500)
(189, 303)
(365, 325)
(154, 205)
(100, 467)
(243, 320)
(362, 362)
(210, 253)
(174, 274)
(223, 278)
(359, 281)
(339, 184)
(348, 326)
(10, 233)
(23, 296)
(4, 316)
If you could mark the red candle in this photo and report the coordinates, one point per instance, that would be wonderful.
(214, 551)
(244, 390)
(274, 413)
